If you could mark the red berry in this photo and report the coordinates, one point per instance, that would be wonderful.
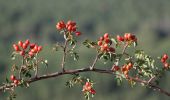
(105, 46)
(69, 28)
(126, 35)
(119, 38)
(106, 35)
(16, 82)
(166, 65)
(60, 25)
(22, 53)
(24, 46)
(99, 43)
(32, 45)
(129, 36)
(163, 60)
(20, 43)
(12, 77)
(74, 28)
(111, 49)
(165, 56)
(39, 48)
(31, 54)
(101, 39)
(16, 47)
(78, 33)
(130, 64)
(107, 40)
(35, 49)
(133, 38)
(92, 91)
(71, 23)
(88, 84)
(27, 42)
(115, 68)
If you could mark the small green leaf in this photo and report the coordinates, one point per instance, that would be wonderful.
(135, 43)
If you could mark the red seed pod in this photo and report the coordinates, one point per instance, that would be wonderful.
(16, 47)
(20, 43)
(119, 38)
(99, 43)
(31, 54)
(27, 42)
(74, 28)
(24, 46)
(16, 82)
(32, 45)
(71, 23)
(115, 68)
(126, 36)
(22, 53)
(166, 65)
(105, 46)
(92, 91)
(12, 77)
(106, 35)
(111, 49)
(58, 27)
(88, 84)
(69, 28)
(78, 33)
(35, 49)
(39, 48)
(165, 57)
(133, 38)
(107, 40)
(163, 60)
(101, 38)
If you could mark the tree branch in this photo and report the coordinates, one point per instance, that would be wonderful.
(57, 74)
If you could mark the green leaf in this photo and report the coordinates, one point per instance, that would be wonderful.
(135, 44)
(114, 41)
(13, 55)
(7, 80)
(89, 43)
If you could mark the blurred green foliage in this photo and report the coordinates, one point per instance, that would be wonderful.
(36, 20)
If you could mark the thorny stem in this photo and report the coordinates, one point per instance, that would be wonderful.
(57, 74)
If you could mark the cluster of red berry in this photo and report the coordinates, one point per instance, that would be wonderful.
(125, 68)
(70, 27)
(14, 80)
(21, 47)
(164, 61)
(88, 88)
(128, 37)
(105, 44)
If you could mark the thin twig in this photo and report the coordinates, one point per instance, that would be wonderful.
(20, 70)
(36, 67)
(94, 62)
(124, 48)
(64, 55)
